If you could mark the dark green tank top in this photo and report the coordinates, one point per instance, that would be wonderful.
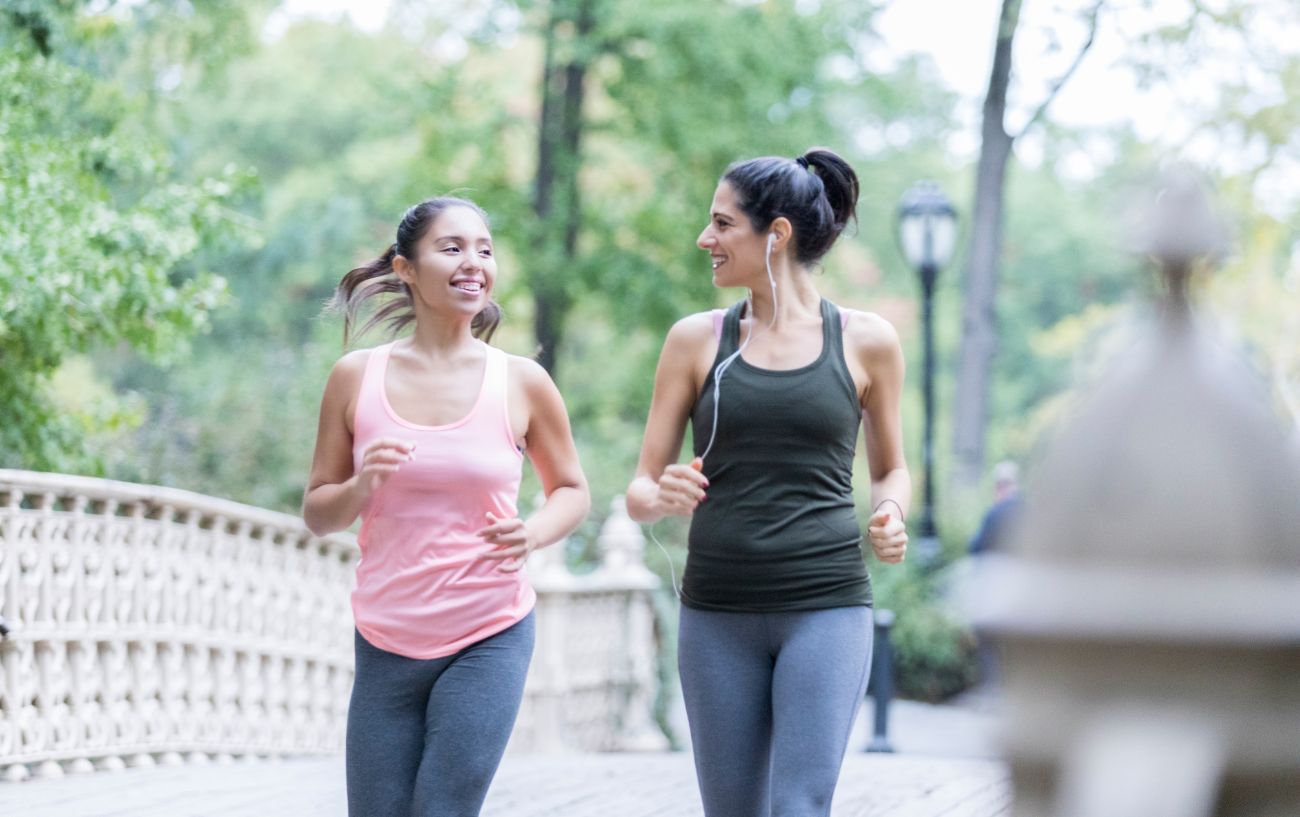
(778, 530)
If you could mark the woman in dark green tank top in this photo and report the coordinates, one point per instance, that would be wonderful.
(775, 631)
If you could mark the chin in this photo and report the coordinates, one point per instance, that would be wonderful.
(723, 280)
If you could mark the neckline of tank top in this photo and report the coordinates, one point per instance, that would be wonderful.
(397, 418)
(821, 356)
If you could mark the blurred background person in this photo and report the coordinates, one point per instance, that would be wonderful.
(1002, 516)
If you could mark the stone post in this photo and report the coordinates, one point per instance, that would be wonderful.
(1149, 612)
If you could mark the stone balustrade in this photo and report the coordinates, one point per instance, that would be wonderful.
(593, 678)
(152, 625)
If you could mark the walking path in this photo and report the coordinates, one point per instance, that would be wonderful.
(627, 785)
(944, 768)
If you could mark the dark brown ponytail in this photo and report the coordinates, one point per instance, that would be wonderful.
(817, 192)
(376, 279)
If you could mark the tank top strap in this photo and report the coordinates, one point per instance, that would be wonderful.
(730, 340)
(494, 378)
(369, 413)
(833, 322)
(493, 413)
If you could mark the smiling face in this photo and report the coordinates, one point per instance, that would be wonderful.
(735, 248)
(454, 267)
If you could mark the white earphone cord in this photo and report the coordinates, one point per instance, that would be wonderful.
(718, 372)
(726, 363)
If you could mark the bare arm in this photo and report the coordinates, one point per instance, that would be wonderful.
(881, 356)
(335, 494)
(554, 456)
(662, 486)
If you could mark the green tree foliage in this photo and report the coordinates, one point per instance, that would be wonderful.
(333, 143)
(95, 237)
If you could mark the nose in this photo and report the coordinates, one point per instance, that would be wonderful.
(706, 238)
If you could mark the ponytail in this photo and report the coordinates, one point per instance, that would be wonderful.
(816, 192)
(370, 280)
(839, 181)
(485, 323)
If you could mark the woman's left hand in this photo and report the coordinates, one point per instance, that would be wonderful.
(513, 541)
(888, 537)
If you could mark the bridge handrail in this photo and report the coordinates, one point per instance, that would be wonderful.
(156, 625)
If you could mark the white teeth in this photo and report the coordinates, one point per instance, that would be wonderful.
(717, 262)
(469, 286)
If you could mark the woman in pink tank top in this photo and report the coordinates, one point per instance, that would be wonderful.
(423, 438)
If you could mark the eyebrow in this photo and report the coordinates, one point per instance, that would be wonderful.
(461, 239)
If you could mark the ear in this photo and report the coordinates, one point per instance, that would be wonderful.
(781, 228)
(403, 268)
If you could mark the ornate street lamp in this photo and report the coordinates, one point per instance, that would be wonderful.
(927, 231)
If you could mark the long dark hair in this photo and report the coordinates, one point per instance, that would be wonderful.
(377, 279)
(817, 192)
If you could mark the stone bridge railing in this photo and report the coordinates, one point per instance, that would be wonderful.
(151, 625)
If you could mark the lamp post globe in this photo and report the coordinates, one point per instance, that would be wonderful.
(927, 232)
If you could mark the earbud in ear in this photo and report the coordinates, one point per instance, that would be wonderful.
(771, 239)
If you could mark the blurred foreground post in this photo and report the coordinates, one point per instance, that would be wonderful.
(1149, 614)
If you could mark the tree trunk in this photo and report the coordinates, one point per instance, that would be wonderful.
(556, 202)
(979, 330)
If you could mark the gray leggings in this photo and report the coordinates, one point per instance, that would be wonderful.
(425, 737)
(771, 698)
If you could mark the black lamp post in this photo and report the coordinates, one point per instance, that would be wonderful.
(927, 229)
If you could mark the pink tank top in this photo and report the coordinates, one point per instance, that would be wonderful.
(422, 591)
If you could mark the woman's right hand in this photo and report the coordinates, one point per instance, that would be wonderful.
(681, 488)
(380, 461)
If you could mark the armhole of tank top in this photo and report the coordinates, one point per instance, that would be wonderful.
(503, 380)
(845, 374)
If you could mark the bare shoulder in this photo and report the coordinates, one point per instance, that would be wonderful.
(690, 331)
(349, 369)
(872, 337)
(528, 374)
(344, 385)
(688, 351)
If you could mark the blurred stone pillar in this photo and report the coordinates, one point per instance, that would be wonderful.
(1149, 611)
(622, 564)
(547, 685)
